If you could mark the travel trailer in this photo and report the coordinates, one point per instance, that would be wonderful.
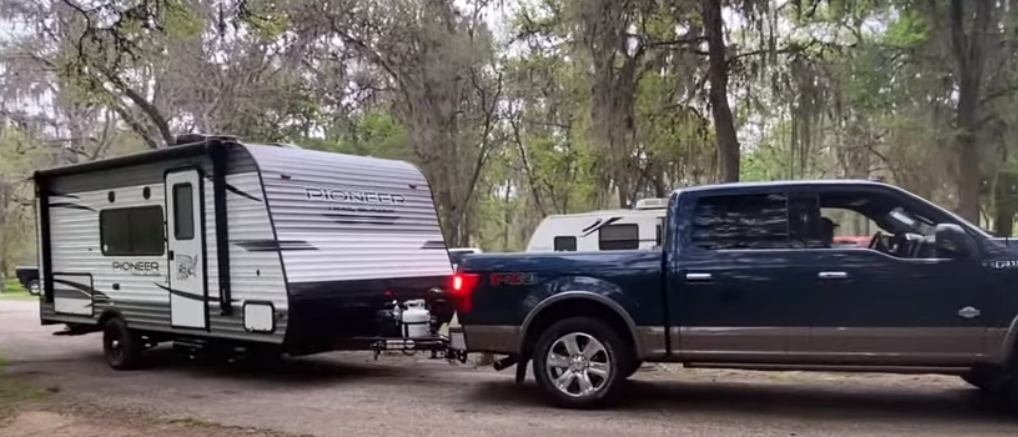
(623, 229)
(216, 244)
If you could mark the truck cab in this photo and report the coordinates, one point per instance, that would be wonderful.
(750, 276)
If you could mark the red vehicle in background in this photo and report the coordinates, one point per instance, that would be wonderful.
(852, 241)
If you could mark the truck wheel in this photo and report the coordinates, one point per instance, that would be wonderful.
(993, 381)
(581, 363)
(34, 287)
(121, 345)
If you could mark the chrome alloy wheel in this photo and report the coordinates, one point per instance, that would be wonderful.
(578, 364)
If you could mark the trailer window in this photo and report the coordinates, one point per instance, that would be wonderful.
(658, 235)
(183, 212)
(565, 244)
(619, 237)
(132, 231)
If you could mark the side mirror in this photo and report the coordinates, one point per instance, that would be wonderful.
(951, 240)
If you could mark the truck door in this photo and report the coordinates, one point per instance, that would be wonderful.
(188, 290)
(736, 286)
(900, 305)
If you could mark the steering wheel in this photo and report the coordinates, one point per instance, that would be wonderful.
(879, 242)
(874, 240)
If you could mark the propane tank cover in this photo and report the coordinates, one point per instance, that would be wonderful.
(416, 319)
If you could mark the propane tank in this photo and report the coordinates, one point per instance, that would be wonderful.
(416, 319)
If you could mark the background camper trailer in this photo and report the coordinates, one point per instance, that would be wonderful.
(217, 245)
(623, 229)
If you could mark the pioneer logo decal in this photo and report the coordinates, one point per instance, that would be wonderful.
(354, 196)
(357, 207)
(138, 268)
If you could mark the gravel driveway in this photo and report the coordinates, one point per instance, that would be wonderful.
(349, 395)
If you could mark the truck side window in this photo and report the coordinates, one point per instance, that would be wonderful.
(851, 219)
(753, 221)
(565, 244)
(619, 237)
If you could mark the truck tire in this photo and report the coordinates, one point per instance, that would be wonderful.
(34, 287)
(633, 369)
(990, 380)
(581, 363)
(122, 346)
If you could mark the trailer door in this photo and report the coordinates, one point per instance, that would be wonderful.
(186, 244)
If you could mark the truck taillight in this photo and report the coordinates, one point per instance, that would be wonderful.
(461, 287)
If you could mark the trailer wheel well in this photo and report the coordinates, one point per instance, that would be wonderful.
(575, 307)
(106, 316)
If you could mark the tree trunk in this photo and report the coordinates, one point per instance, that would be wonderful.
(724, 122)
(969, 59)
(1003, 225)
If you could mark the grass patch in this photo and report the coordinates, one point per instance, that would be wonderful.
(14, 391)
(13, 290)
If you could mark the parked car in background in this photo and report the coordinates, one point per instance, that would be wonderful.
(28, 277)
(852, 241)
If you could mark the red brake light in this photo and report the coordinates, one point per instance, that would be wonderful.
(461, 286)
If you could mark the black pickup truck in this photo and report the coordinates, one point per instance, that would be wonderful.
(28, 277)
(748, 277)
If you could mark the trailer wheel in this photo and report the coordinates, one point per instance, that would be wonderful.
(122, 346)
(581, 363)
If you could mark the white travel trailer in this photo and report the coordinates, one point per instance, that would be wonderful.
(214, 242)
(623, 229)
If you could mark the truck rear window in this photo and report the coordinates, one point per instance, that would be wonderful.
(753, 221)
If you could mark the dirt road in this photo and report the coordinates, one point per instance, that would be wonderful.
(349, 395)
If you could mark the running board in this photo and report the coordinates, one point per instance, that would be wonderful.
(830, 368)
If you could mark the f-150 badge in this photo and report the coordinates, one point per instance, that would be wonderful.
(1002, 264)
(512, 278)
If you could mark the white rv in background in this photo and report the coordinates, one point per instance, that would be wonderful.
(622, 229)
(212, 241)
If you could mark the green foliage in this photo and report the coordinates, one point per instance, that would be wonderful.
(375, 133)
(12, 290)
(856, 88)
(181, 21)
(19, 155)
(909, 30)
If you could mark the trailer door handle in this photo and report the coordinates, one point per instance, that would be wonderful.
(698, 277)
(832, 275)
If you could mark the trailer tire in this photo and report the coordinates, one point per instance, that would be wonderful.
(122, 346)
(593, 373)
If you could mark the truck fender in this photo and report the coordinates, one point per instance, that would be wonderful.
(600, 298)
(1009, 349)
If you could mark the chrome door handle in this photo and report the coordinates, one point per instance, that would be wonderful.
(698, 277)
(832, 275)
(969, 312)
